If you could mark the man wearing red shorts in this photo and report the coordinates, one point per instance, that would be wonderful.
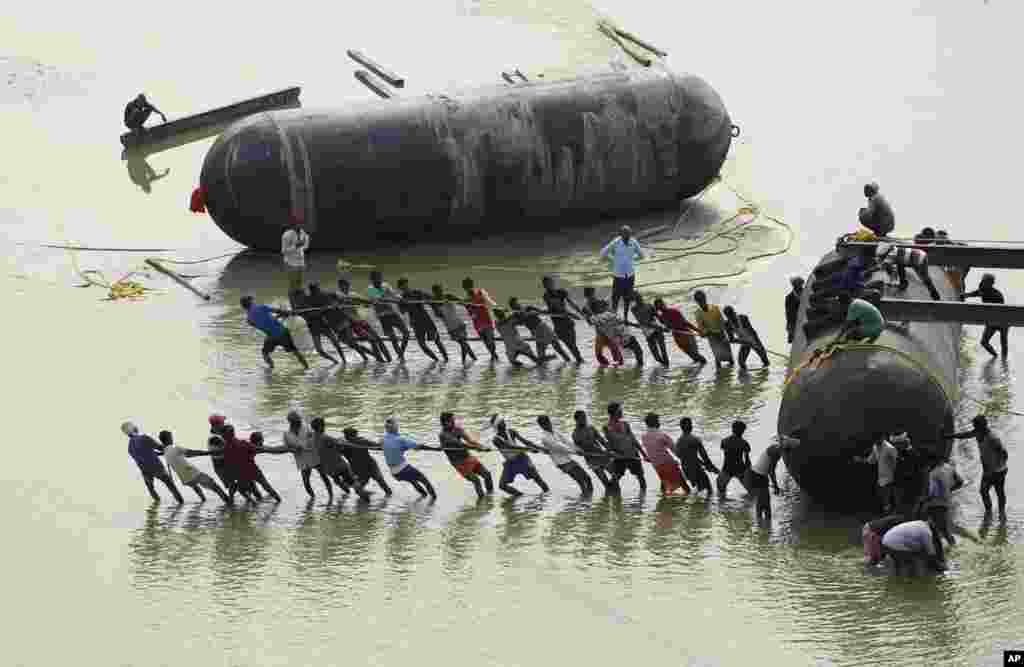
(456, 444)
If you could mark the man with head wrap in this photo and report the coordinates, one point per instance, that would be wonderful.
(146, 451)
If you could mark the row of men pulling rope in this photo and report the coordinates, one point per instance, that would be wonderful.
(609, 454)
(335, 316)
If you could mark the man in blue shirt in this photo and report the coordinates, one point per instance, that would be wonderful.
(395, 447)
(146, 451)
(262, 317)
(623, 252)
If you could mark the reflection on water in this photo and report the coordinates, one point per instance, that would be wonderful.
(141, 173)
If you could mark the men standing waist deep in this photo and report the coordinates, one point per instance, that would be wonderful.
(623, 251)
(294, 243)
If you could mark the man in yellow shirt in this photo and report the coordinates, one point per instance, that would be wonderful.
(711, 324)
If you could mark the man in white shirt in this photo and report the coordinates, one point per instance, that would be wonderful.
(299, 439)
(561, 450)
(911, 541)
(192, 477)
(885, 456)
(623, 251)
(294, 243)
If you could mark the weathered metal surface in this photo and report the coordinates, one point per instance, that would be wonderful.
(906, 383)
(975, 256)
(492, 159)
(912, 310)
(282, 99)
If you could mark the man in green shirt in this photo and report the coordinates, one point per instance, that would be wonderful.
(863, 320)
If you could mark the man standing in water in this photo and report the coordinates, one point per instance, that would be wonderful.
(989, 294)
(741, 331)
(480, 314)
(623, 251)
(994, 458)
(736, 457)
(517, 460)
(912, 541)
(543, 335)
(261, 316)
(711, 324)
(561, 451)
(316, 322)
(332, 462)
(683, 333)
(456, 444)
(137, 112)
(593, 307)
(558, 304)
(299, 439)
(508, 326)
(190, 476)
(595, 449)
(793, 306)
(357, 450)
(625, 446)
(694, 458)
(444, 307)
(395, 447)
(361, 327)
(414, 303)
(240, 457)
(294, 243)
(146, 451)
(384, 297)
(646, 316)
(658, 446)
(885, 456)
(761, 473)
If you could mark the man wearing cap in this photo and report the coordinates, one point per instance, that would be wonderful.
(299, 439)
(146, 452)
(994, 457)
(623, 251)
(395, 447)
(793, 305)
(294, 243)
(877, 215)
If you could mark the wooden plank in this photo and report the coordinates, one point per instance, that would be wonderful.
(639, 42)
(914, 310)
(366, 79)
(280, 99)
(176, 278)
(387, 75)
(976, 256)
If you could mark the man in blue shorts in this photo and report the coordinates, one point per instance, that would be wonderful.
(395, 447)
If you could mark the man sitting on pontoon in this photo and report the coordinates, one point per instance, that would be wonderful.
(137, 112)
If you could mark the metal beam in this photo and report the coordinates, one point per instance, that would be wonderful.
(912, 310)
(982, 257)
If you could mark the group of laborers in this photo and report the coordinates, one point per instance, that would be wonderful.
(915, 535)
(609, 453)
(336, 317)
(846, 290)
